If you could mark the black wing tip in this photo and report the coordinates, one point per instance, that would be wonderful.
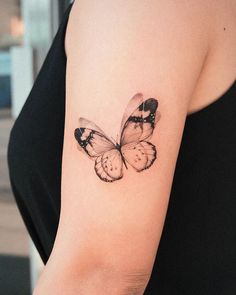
(152, 103)
(153, 99)
(78, 132)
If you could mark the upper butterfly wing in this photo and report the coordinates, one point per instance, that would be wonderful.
(139, 119)
(91, 139)
(133, 104)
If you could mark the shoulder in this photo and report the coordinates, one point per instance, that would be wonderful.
(165, 40)
(190, 20)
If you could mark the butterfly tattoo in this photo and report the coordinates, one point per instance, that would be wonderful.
(131, 147)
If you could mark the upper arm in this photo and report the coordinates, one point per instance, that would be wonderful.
(116, 49)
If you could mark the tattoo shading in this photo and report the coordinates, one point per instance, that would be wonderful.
(131, 148)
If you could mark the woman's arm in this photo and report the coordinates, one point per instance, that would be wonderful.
(109, 232)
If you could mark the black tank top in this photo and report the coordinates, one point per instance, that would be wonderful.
(197, 251)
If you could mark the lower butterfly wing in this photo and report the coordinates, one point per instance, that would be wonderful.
(109, 166)
(139, 155)
(139, 124)
(91, 139)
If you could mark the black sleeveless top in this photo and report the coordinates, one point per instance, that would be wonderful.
(197, 251)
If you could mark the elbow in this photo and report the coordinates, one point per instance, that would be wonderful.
(110, 280)
(93, 280)
(113, 282)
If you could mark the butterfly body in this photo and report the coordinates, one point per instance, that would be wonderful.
(132, 147)
(118, 147)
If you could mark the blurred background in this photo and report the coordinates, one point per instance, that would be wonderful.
(27, 28)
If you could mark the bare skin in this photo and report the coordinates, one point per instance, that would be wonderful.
(219, 71)
(175, 51)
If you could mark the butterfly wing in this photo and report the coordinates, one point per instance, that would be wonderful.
(91, 139)
(133, 104)
(140, 155)
(139, 119)
(95, 144)
(109, 166)
(137, 126)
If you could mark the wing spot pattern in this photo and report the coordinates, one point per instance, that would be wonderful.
(142, 159)
(109, 166)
